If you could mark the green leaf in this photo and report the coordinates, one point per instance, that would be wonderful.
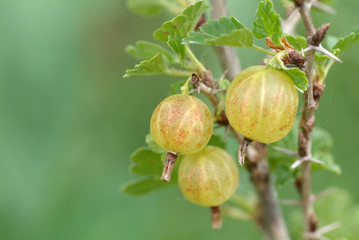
(145, 7)
(217, 140)
(175, 42)
(153, 145)
(298, 77)
(345, 43)
(321, 57)
(149, 8)
(182, 23)
(146, 50)
(298, 42)
(142, 186)
(148, 165)
(267, 22)
(156, 65)
(226, 31)
(283, 174)
(146, 162)
(224, 83)
(331, 41)
(322, 144)
(175, 88)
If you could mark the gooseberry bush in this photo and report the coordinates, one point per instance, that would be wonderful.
(208, 118)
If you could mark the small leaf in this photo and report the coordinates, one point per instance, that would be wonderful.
(226, 31)
(331, 41)
(217, 140)
(175, 88)
(153, 145)
(321, 57)
(175, 42)
(282, 174)
(146, 162)
(298, 77)
(345, 43)
(145, 7)
(182, 23)
(146, 50)
(267, 22)
(156, 65)
(298, 42)
(149, 8)
(142, 186)
(224, 83)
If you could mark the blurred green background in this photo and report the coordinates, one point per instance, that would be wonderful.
(69, 123)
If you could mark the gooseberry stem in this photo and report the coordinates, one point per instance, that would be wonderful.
(184, 88)
(216, 218)
(194, 59)
(255, 47)
(242, 150)
(170, 161)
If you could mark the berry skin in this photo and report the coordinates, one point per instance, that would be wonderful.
(261, 104)
(182, 123)
(209, 177)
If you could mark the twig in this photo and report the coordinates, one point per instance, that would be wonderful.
(307, 120)
(216, 218)
(242, 150)
(228, 56)
(170, 161)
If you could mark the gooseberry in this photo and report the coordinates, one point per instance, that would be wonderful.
(209, 177)
(261, 104)
(182, 124)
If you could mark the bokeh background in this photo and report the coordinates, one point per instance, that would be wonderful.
(69, 122)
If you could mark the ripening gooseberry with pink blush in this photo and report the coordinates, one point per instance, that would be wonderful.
(261, 104)
(209, 177)
(182, 124)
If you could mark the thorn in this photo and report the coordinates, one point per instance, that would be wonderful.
(223, 75)
(329, 228)
(242, 150)
(324, 51)
(305, 159)
(217, 91)
(296, 163)
(291, 202)
(318, 234)
(286, 151)
(324, 7)
(314, 160)
(325, 193)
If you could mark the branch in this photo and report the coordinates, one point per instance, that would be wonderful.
(227, 55)
(307, 119)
